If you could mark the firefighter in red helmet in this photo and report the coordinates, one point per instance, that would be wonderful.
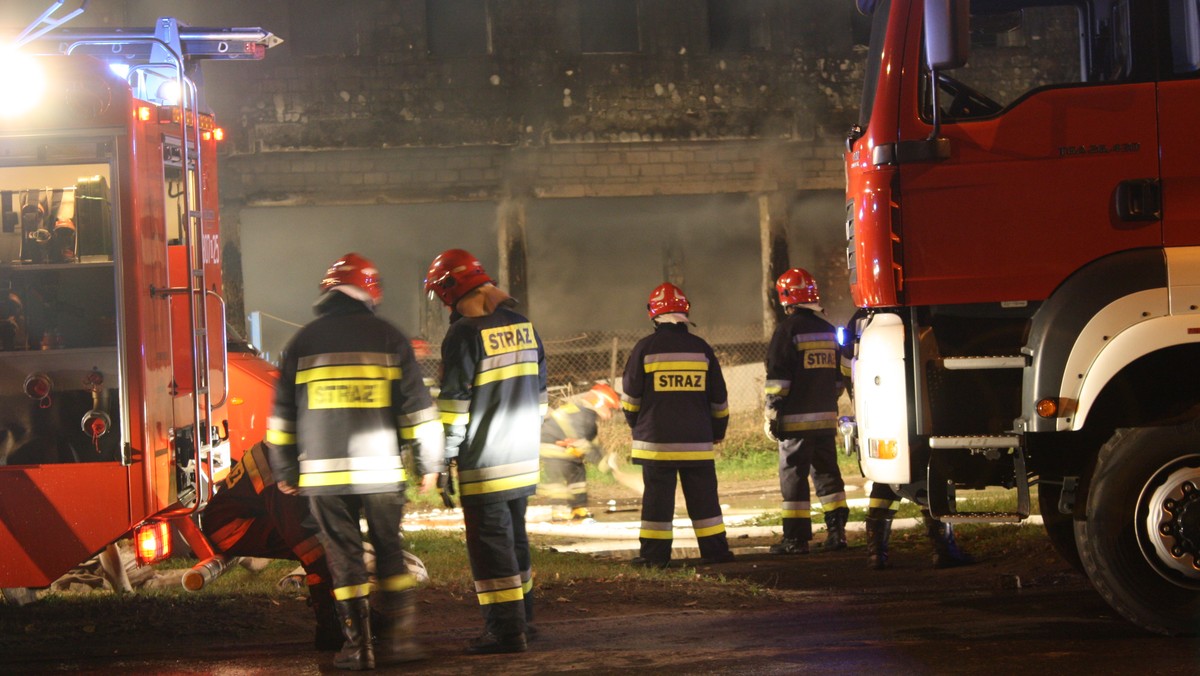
(802, 387)
(349, 392)
(568, 439)
(492, 401)
(677, 406)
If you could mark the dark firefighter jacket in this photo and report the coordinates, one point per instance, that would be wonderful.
(804, 376)
(349, 392)
(674, 398)
(492, 401)
(577, 424)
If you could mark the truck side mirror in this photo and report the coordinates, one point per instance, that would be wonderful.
(947, 33)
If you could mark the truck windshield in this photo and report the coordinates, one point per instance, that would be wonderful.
(58, 315)
(879, 21)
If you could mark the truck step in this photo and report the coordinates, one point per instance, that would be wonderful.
(980, 363)
(942, 503)
(974, 442)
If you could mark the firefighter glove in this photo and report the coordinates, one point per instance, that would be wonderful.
(769, 424)
(445, 484)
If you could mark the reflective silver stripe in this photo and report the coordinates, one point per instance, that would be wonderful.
(657, 525)
(675, 356)
(833, 498)
(706, 523)
(797, 505)
(345, 358)
(414, 419)
(281, 424)
(499, 471)
(454, 405)
(374, 463)
(718, 408)
(650, 446)
(508, 359)
(818, 337)
(633, 401)
(498, 583)
(808, 417)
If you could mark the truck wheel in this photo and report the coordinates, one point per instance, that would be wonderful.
(1140, 542)
(1059, 527)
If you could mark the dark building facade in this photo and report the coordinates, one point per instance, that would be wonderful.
(586, 150)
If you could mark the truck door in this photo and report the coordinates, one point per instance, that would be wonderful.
(1053, 160)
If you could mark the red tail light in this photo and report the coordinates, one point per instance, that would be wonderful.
(153, 542)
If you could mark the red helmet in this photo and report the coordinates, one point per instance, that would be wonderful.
(797, 286)
(606, 396)
(357, 273)
(667, 298)
(454, 274)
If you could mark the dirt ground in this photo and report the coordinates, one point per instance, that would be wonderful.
(1019, 607)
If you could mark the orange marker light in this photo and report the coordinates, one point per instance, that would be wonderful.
(219, 134)
(143, 113)
(1047, 408)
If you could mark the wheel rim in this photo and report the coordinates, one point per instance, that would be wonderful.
(1169, 521)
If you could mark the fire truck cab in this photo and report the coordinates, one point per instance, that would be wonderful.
(115, 403)
(1023, 241)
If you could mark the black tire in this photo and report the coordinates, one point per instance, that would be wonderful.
(1114, 544)
(1060, 528)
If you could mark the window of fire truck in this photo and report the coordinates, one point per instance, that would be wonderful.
(879, 22)
(1022, 47)
(58, 315)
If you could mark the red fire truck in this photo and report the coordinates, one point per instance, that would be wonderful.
(120, 405)
(1023, 230)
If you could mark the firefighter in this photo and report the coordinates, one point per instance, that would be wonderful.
(568, 439)
(882, 509)
(250, 516)
(676, 404)
(349, 392)
(492, 401)
(802, 387)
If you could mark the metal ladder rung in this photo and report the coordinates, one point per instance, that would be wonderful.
(974, 442)
(980, 363)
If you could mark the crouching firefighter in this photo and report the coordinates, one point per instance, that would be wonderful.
(349, 392)
(250, 516)
(569, 436)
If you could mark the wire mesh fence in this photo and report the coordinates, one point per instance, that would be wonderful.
(576, 362)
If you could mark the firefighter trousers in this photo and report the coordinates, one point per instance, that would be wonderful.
(338, 518)
(566, 481)
(699, 483)
(241, 520)
(797, 458)
(882, 501)
(498, 548)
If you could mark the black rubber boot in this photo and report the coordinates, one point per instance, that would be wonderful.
(789, 546)
(356, 654)
(946, 553)
(879, 530)
(397, 642)
(329, 636)
(835, 529)
(490, 644)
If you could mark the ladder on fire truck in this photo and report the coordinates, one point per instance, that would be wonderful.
(169, 53)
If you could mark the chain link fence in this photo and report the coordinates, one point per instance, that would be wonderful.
(576, 362)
